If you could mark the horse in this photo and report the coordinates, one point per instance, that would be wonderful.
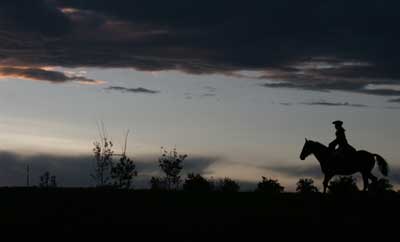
(362, 161)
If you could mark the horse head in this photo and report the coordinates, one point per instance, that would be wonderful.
(306, 151)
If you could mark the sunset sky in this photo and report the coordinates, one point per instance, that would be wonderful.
(236, 86)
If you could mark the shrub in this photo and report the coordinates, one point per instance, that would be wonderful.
(171, 163)
(269, 186)
(103, 152)
(343, 185)
(123, 172)
(157, 184)
(197, 183)
(228, 185)
(381, 186)
(306, 186)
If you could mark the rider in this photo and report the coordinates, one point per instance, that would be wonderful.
(341, 141)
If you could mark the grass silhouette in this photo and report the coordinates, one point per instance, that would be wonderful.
(191, 211)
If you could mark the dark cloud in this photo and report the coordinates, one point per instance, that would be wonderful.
(314, 45)
(132, 90)
(394, 175)
(325, 103)
(210, 88)
(392, 108)
(70, 170)
(396, 100)
(210, 91)
(33, 17)
(325, 86)
(76, 170)
(38, 74)
(188, 95)
(280, 85)
(382, 92)
(313, 171)
(208, 95)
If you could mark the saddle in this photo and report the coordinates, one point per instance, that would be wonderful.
(343, 153)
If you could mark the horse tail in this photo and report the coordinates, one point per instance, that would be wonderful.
(382, 164)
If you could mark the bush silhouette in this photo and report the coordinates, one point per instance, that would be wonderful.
(197, 183)
(381, 186)
(123, 172)
(157, 184)
(228, 185)
(103, 153)
(269, 186)
(343, 185)
(306, 186)
(47, 180)
(170, 163)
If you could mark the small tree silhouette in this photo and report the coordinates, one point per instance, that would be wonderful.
(157, 184)
(306, 186)
(269, 186)
(53, 181)
(343, 185)
(123, 172)
(197, 183)
(228, 185)
(46, 180)
(103, 157)
(381, 186)
(171, 164)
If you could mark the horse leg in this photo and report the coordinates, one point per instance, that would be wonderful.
(365, 179)
(372, 177)
(327, 178)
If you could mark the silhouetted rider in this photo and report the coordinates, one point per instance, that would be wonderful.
(341, 141)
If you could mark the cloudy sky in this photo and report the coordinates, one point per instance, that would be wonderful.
(236, 85)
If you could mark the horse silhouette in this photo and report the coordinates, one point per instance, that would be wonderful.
(362, 161)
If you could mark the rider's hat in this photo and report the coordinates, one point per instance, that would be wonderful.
(337, 122)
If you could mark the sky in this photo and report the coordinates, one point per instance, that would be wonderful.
(236, 86)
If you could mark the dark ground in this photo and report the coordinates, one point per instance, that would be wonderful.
(193, 212)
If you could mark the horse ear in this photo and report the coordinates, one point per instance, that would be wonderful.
(306, 139)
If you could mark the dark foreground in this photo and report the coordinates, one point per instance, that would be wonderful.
(189, 212)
